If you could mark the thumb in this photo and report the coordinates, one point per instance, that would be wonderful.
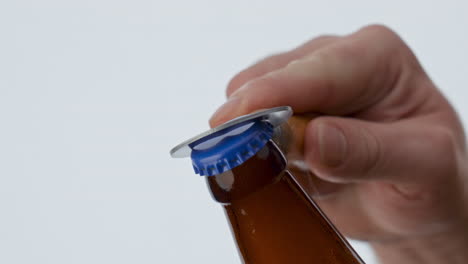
(349, 150)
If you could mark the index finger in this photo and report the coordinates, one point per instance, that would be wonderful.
(343, 78)
(276, 62)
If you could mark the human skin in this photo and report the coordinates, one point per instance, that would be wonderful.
(388, 146)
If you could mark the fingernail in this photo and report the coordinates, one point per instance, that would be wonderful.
(332, 145)
(226, 111)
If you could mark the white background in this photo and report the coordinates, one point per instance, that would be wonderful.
(94, 93)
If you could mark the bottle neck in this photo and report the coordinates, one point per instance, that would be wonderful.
(258, 171)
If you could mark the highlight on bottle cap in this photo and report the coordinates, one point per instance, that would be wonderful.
(230, 144)
(220, 152)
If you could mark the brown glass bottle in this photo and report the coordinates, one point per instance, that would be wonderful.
(271, 212)
(273, 221)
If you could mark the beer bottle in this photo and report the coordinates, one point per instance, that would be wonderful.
(273, 218)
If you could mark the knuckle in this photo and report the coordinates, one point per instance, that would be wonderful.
(238, 81)
(261, 93)
(383, 36)
(265, 83)
(322, 38)
(379, 30)
(235, 82)
(255, 71)
(254, 88)
(316, 43)
(273, 61)
(294, 63)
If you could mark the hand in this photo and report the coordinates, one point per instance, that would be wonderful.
(387, 140)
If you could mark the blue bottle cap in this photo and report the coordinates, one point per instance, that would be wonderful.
(229, 148)
(230, 144)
